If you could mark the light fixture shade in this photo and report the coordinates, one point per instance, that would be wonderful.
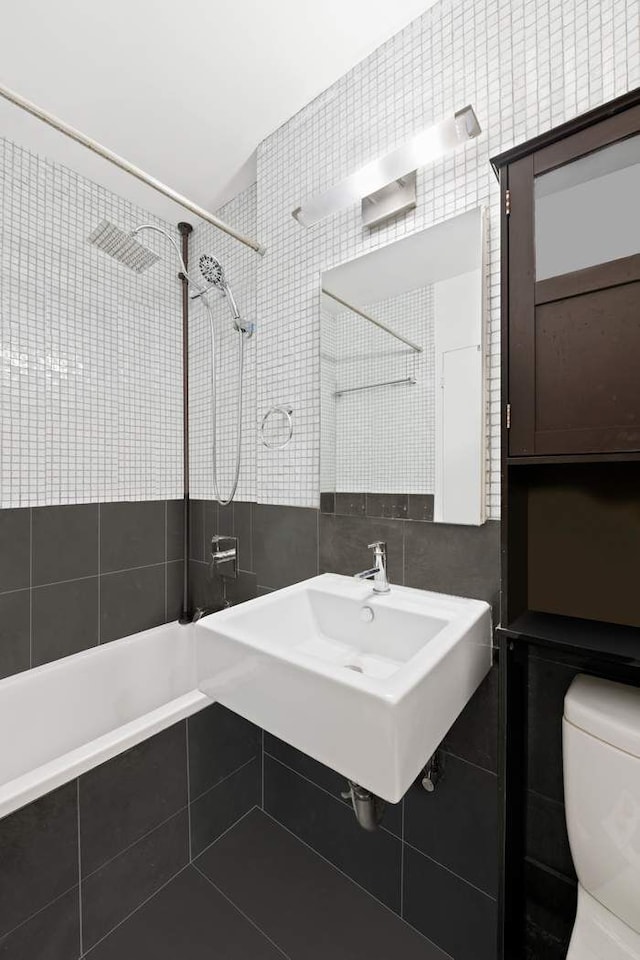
(420, 150)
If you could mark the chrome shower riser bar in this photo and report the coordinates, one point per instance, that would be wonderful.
(29, 107)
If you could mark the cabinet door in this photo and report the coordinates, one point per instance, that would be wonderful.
(574, 293)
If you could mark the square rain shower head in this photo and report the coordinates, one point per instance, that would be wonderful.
(122, 246)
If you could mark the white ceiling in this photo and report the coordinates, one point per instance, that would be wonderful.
(186, 90)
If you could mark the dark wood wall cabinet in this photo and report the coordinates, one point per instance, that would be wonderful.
(570, 480)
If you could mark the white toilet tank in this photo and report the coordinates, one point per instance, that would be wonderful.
(601, 749)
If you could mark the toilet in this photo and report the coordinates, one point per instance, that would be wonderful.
(601, 750)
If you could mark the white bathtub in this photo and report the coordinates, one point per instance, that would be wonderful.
(60, 720)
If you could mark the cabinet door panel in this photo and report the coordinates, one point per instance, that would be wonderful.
(587, 350)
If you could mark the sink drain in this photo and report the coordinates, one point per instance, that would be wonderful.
(352, 666)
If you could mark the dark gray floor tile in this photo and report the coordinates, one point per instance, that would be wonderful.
(219, 743)
(15, 556)
(131, 601)
(391, 505)
(448, 558)
(334, 783)
(216, 810)
(371, 859)
(285, 544)
(420, 506)
(175, 529)
(351, 504)
(126, 797)
(15, 620)
(52, 934)
(187, 920)
(457, 824)
(64, 542)
(344, 544)
(309, 909)
(243, 530)
(459, 918)
(115, 890)
(474, 735)
(39, 855)
(65, 619)
(547, 840)
(132, 534)
(175, 586)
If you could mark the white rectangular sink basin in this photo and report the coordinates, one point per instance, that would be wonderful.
(366, 683)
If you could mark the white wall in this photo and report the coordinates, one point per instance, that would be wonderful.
(90, 371)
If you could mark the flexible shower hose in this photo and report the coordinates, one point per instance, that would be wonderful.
(214, 461)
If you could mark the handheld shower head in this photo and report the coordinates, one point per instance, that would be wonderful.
(211, 270)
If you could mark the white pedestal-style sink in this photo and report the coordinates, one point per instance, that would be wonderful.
(366, 683)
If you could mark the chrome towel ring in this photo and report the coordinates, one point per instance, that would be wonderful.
(284, 410)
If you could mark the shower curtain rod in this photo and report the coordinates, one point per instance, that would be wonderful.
(123, 164)
(376, 323)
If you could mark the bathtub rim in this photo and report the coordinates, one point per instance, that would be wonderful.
(49, 776)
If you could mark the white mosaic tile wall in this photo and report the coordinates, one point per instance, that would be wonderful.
(240, 267)
(525, 65)
(383, 438)
(90, 373)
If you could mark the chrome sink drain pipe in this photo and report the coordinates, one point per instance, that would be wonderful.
(368, 808)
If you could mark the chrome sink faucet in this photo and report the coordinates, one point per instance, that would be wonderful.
(378, 573)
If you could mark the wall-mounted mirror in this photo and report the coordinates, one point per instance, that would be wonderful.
(402, 378)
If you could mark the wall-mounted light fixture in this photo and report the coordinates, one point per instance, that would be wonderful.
(393, 168)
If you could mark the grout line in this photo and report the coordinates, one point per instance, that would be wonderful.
(328, 793)
(225, 832)
(402, 861)
(242, 913)
(6, 593)
(262, 753)
(351, 880)
(166, 600)
(142, 566)
(470, 763)
(139, 907)
(94, 576)
(99, 568)
(225, 778)
(186, 728)
(450, 871)
(79, 865)
(31, 586)
(130, 846)
(32, 916)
